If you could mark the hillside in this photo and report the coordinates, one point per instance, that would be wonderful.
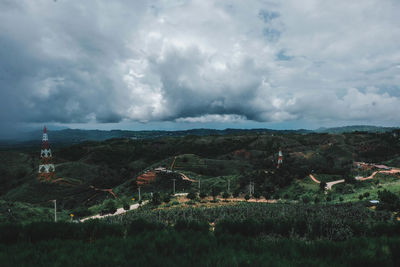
(89, 172)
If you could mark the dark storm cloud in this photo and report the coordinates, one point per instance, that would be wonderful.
(198, 61)
(57, 65)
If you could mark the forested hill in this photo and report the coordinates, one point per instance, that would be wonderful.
(73, 136)
(240, 158)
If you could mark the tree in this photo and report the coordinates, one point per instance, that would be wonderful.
(214, 193)
(81, 212)
(349, 179)
(167, 199)
(126, 206)
(360, 197)
(247, 197)
(203, 195)
(109, 206)
(191, 196)
(388, 200)
(225, 195)
(156, 200)
(306, 199)
(322, 186)
(256, 195)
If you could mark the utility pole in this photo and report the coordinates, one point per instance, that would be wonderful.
(55, 210)
(251, 188)
(199, 185)
(140, 198)
(173, 185)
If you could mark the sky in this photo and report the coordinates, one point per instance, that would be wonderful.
(175, 64)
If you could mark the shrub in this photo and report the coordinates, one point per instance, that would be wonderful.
(322, 186)
(156, 199)
(81, 212)
(9, 233)
(198, 226)
(349, 179)
(306, 199)
(167, 199)
(366, 194)
(95, 229)
(341, 198)
(140, 225)
(256, 195)
(191, 196)
(360, 197)
(247, 197)
(214, 192)
(225, 195)
(300, 227)
(203, 195)
(316, 200)
(388, 200)
(126, 206)
(109, 206)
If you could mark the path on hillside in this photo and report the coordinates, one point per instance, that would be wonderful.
(118, 212)
(330, 184)
(184, 177)
(122, 211)
(376, 172)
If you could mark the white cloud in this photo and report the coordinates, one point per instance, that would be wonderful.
(225, 118)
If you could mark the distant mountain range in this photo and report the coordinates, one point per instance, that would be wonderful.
(356, 128)
(69, 136)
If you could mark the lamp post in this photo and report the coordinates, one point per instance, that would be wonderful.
(55, 210)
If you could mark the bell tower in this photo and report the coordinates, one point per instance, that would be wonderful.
(46, 166)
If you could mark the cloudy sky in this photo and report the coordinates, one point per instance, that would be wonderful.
(175, 64)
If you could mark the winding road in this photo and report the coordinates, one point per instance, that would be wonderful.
(330, 184)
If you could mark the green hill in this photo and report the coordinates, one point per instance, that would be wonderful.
(84, 170)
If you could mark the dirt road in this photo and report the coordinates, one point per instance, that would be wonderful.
(330, 184)
(118, 212)
(376, 172)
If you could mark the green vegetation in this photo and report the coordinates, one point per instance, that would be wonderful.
(231, 157)
(144, 243)
(335, 222)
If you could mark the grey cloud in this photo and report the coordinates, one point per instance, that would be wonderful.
(198, 61)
